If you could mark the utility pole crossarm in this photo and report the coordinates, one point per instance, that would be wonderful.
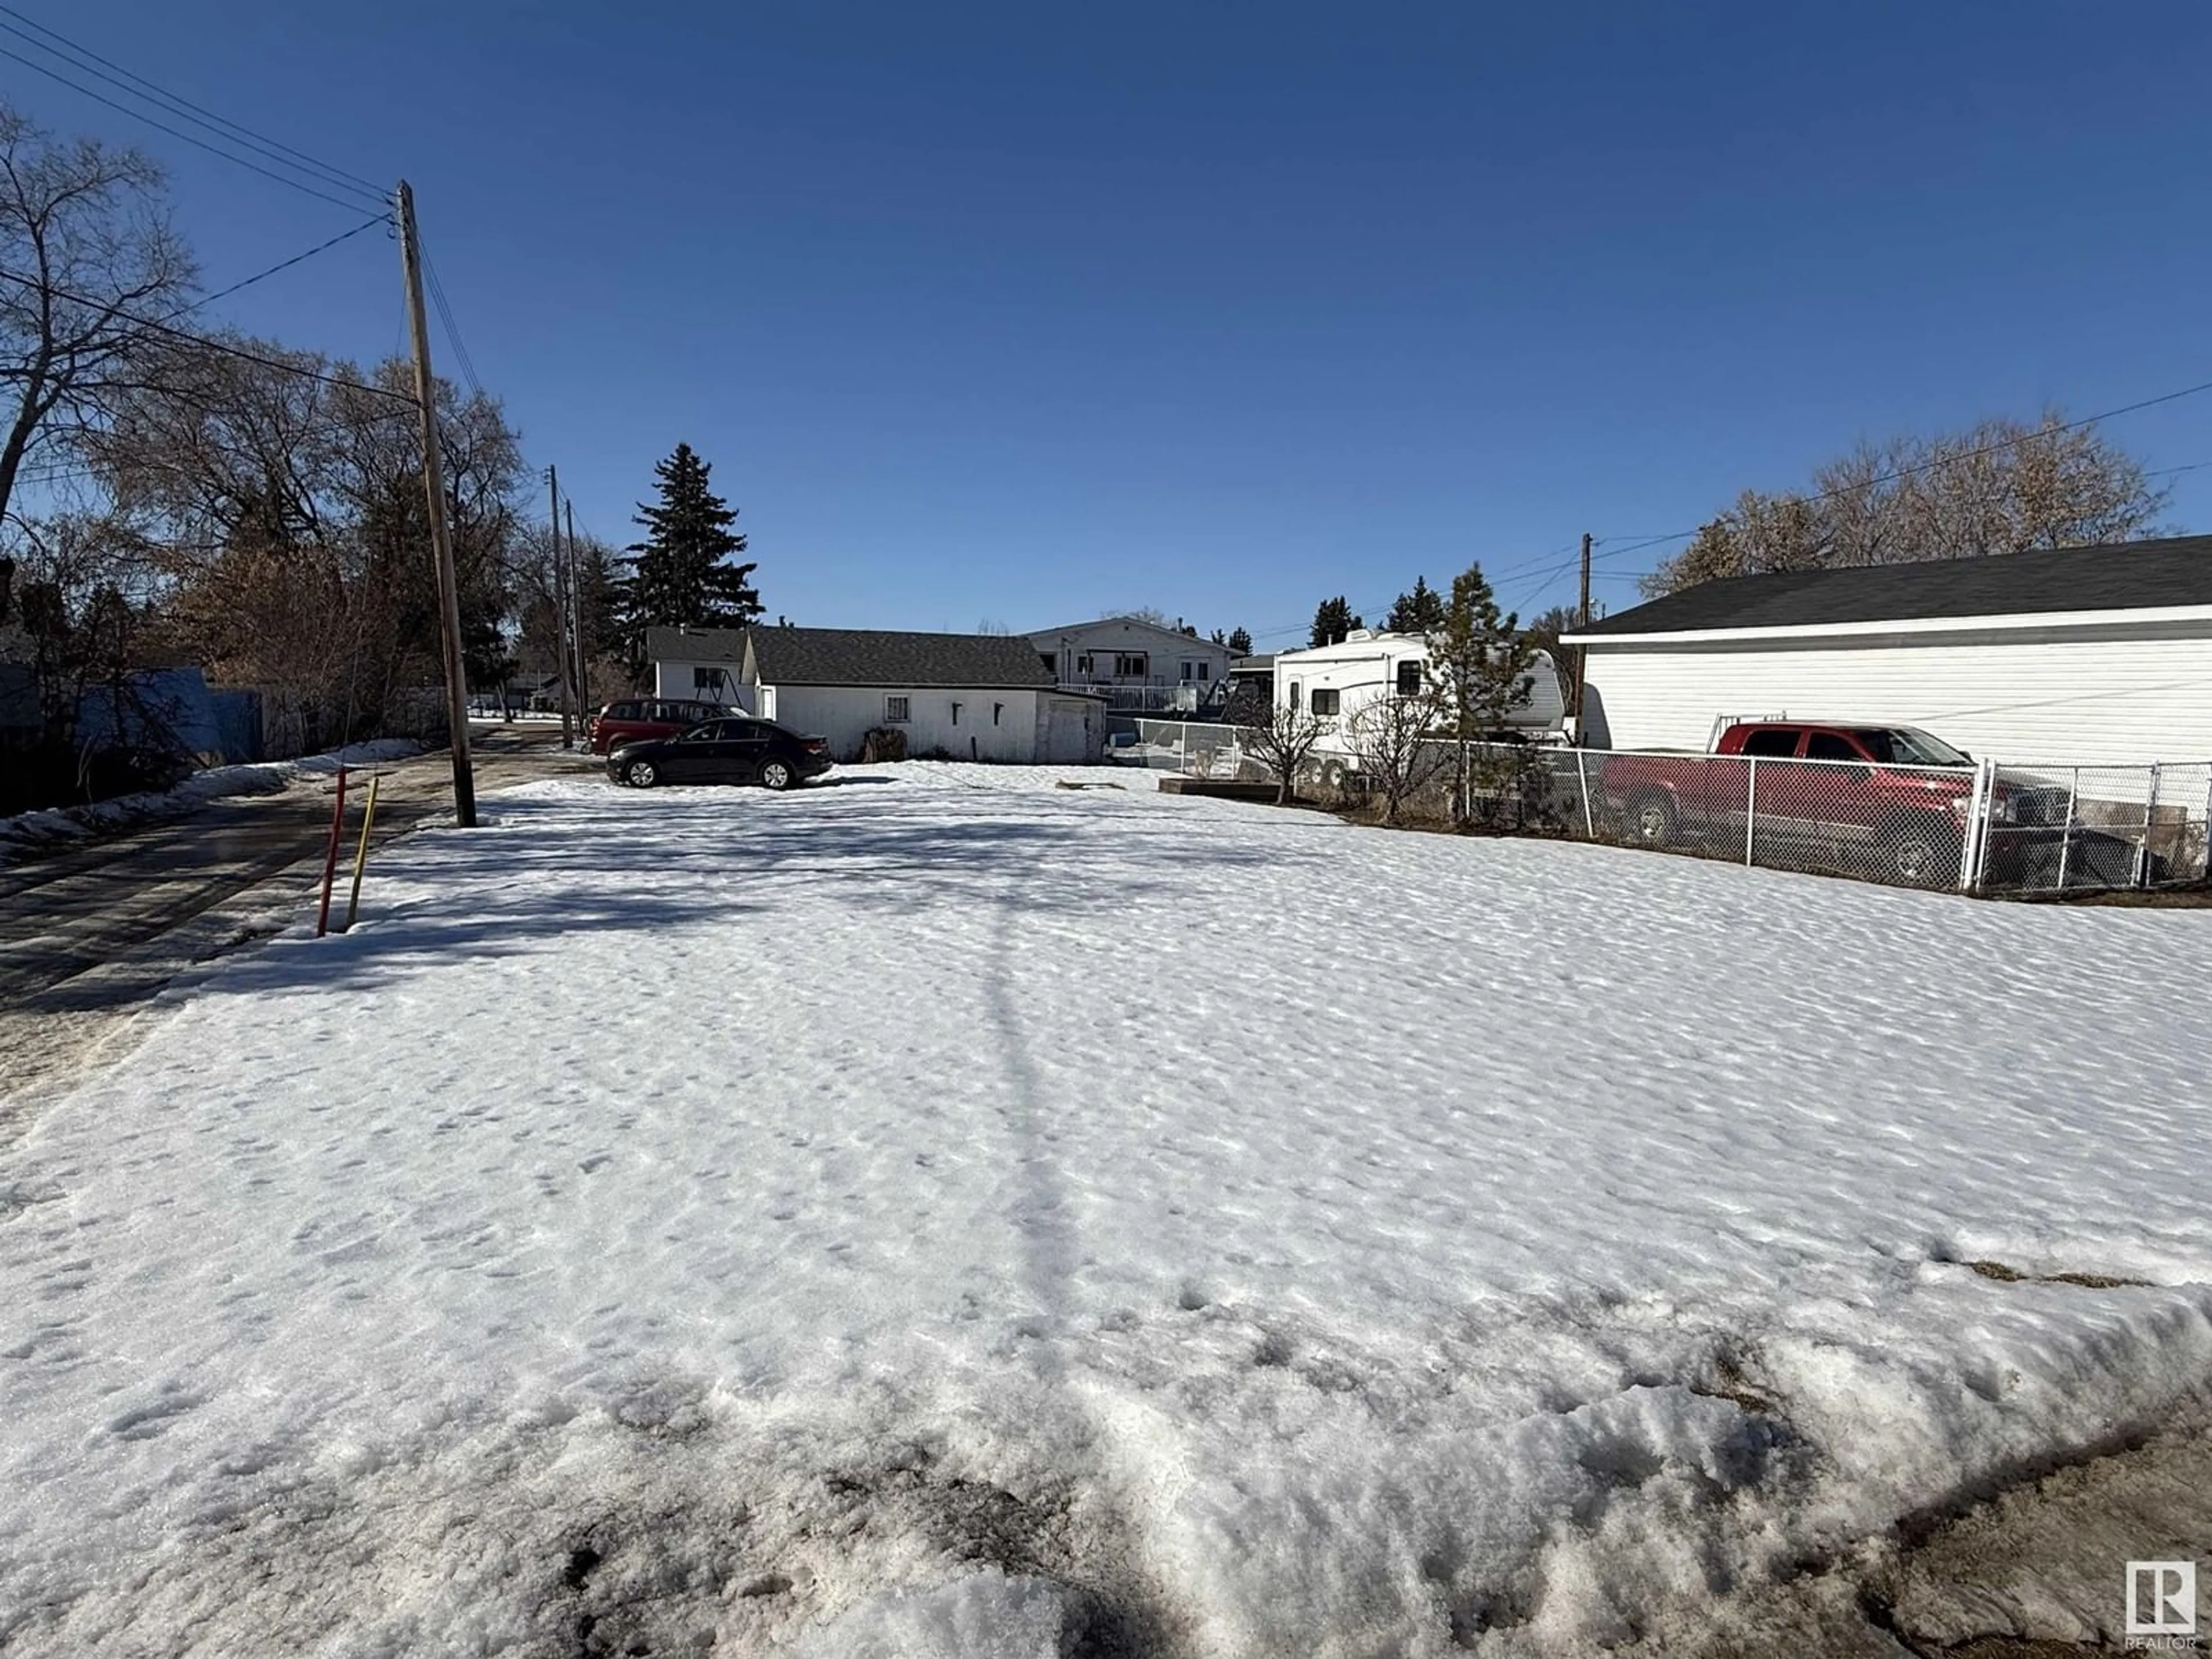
(441, 543)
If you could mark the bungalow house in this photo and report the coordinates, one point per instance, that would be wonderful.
(1135, 664)
(2070, 655)
(973, 696)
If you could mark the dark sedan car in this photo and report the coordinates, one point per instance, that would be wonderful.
(722, 752)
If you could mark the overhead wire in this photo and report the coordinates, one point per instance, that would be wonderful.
(284, 265)
(140, 115)
(446, 317)
(85, 61)
(159, 327)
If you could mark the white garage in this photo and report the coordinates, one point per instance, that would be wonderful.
(2076, 655)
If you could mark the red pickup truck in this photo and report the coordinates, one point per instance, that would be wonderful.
(1889, 798)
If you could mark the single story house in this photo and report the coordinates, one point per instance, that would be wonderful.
(972, 696)
(2067, 656)
(1135, 664)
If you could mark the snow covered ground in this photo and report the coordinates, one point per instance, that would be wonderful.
(25, 830)
(942, 1214)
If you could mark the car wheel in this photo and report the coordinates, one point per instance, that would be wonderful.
(639, 775)
(1650, 820)
(777, 776)
(1921, 851)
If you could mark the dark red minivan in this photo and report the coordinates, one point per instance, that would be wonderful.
(635, 718)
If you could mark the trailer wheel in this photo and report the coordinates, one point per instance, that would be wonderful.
(1650, 819)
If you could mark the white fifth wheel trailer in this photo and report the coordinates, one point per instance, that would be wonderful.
(1337, 681)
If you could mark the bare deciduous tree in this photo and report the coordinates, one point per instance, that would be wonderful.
(2001, 486)
(89, 257)
(1283, 741)
(1395, 740)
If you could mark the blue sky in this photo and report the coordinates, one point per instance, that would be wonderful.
(1026, 312)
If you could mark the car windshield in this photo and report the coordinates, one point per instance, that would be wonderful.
(1906, 745)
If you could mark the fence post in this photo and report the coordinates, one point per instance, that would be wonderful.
(1750, 809)
(1973, 842)
(2066, 835)
(2150, 824)
(1590, 817)
(330, 854)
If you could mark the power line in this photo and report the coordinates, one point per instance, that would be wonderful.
(200, 144)
(453, 331)
(320, 247)
(179, 104)
(1964, 455)
(203, 340)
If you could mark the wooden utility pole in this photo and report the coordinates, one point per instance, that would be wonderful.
(560, 613)
(1582, 652)
(441, 542)
(576, 636)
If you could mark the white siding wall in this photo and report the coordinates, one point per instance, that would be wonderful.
(677, 679)
(2045, 698)
(845, 714)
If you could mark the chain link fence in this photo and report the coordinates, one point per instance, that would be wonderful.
(1985, 827)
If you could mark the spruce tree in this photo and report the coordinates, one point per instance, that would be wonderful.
(1332, 621)
(1478, 670)
(1416, 612)
(1240, 642)
(680, 574)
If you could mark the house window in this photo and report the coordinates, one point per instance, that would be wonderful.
(1206, 671)
(1409, 678)
(956, 714)
(1131, 665)
(1082, 665)
(894, 711)
(1051, 662)
(1189, 671)
(997, 709)
(1325, 701)
(708, 680)
(1294, 694)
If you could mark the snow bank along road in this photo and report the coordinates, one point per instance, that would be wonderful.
(941, 1214)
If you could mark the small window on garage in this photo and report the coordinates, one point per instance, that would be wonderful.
(997, 709)
(956, 714)
(1409, 678)
(1325, 702)
(894, 711)
(1294, 694)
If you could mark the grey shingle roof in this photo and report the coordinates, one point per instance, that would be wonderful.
(2125, 576)
(695, 644)
(854, 656)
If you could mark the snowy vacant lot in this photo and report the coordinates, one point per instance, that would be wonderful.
(941, 1214)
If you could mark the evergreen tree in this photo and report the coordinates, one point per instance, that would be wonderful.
(1420, 611)
(1332, 621)
(1240, 642)
(1477, 668)
(680, 574)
